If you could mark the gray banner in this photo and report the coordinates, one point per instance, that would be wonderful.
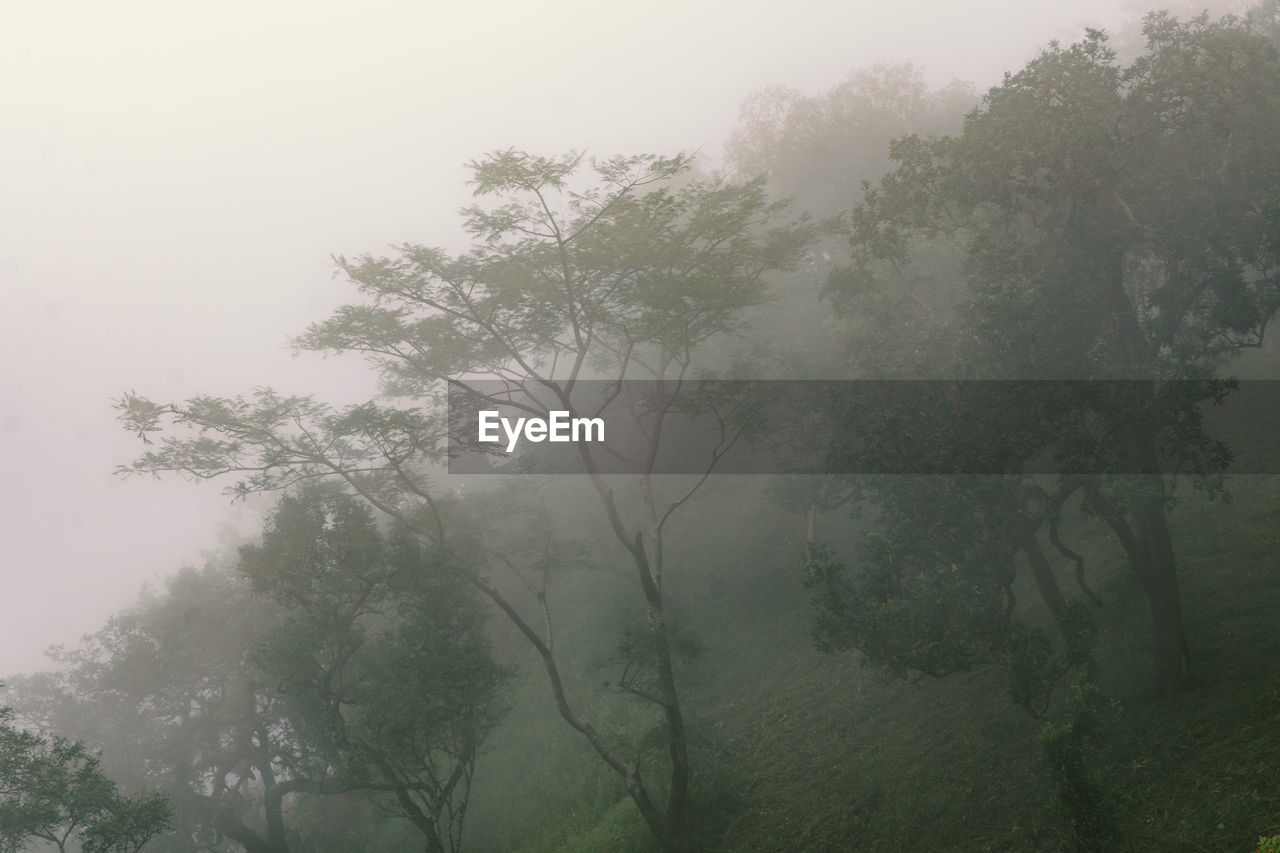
(866, 427)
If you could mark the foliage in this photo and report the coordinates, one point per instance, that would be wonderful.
(1081, 784)
(634, 661)
(622, 274)
(1078, 177)
(634, 268)
(1092, 220)
(820, 149)
(380, 660)
(937, 622)
(53, 789)
(911, 616)
(129, 825)
(338, 654)
(837, 755)
(934, 587)
(170, 683)
(1103, 221)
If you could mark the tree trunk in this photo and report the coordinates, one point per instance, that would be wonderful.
(432, 843)
(1151, 553)
(232, 828)
(1159, 577)
(1046, 583)
(273, 805)
(1150, 550)
(626, 769)
(1054, 599)
(1157, 566)
(676, 836)
(671, 827)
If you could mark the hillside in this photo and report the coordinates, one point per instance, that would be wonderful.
(806, 752)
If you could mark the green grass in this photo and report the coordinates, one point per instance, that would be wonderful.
(841, 757)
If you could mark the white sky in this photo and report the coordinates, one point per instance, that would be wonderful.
(174, 177)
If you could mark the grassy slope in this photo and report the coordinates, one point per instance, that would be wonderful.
(805, 752)
(799, 751)
(839, 757)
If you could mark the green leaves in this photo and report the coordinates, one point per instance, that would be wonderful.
(1116, 214)
(128, 825)
(648, 257)
(503, 171)
(1091, 221)
(53, 789)
(275, 441)
(903, 613)
(379, 659)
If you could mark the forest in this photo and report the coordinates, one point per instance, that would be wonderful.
(1010, 583)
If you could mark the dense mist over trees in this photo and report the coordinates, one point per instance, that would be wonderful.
(980, 650)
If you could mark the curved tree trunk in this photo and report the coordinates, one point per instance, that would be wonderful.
(1051, 592)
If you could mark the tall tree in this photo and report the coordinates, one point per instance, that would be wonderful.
(1114, 222)
(625, 273)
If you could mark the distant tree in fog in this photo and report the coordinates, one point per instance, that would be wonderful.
(379, 661)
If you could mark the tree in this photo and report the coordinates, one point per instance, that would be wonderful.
(821, 151)
(565, 280)
(1114, 222)
(380, 659)
(173, 684)
(53, 789)
(176, 672)
(129, 824)
(935, 593)
(338, 662)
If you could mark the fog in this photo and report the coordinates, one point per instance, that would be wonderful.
(185, 188)
(177, 178)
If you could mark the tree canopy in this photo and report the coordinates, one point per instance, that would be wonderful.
(1106, 222)
(624, 273)
(52, 789)
(1110, 223)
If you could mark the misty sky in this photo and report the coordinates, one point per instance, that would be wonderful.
(176, 175)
